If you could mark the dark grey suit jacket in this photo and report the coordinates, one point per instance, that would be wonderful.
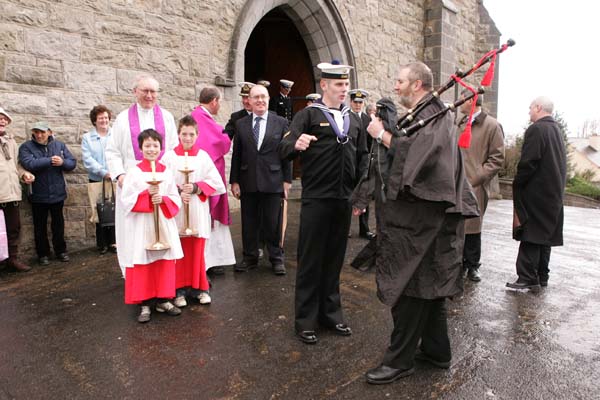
(259, 170)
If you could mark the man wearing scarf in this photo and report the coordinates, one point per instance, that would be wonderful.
(330, 148)
(122, 150)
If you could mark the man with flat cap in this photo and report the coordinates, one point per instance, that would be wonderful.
(282, 103)
(331, 149)
(244, 112)
(357, 101)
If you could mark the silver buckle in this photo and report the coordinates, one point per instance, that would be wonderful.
(345, 140)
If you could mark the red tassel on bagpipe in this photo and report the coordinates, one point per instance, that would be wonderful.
(464, 140)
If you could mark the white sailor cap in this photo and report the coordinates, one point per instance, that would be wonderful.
(286, 84)
(358, 95)
(245, 88)
(313, 96)
(264, 83)
(334, 70)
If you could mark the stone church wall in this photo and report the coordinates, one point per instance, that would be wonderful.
(59, 58)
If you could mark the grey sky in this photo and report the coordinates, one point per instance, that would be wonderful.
(556, 55)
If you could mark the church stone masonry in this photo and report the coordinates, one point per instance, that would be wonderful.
(59, 58)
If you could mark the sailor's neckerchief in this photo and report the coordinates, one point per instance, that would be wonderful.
(340, 129)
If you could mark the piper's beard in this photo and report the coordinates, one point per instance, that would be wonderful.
(406, 101)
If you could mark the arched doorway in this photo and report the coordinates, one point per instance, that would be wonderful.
(275, 51)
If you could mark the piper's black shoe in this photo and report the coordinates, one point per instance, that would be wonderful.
(342, 330)
(367, 235)
(473, 274)
(384, 374)
(308, 337)
(533, 287)
(427, 358)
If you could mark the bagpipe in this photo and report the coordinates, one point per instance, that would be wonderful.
(406, 125)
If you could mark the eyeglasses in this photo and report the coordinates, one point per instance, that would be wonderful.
(148, 91)
(260, 97)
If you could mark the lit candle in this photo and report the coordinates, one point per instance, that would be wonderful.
(153, 166)
(186, 160)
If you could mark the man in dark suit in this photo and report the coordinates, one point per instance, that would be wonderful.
(282, 103)
(244, 92)
(357, 99)
(260, 180)
(538, 190)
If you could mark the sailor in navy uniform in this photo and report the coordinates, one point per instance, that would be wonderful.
(282, 103)
(330, 146)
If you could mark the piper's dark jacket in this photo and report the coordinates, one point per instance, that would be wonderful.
(282, 105)
(419, 241)
(259, 170)
(330, 170)
(539, 185)
(49, 185)
(230, 127)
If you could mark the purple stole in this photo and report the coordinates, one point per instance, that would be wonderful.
(134, 128)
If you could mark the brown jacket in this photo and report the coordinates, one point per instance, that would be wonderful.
(482, 160)
(10, 170)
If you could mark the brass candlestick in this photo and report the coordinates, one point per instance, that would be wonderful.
(157, 245)
(187, 230)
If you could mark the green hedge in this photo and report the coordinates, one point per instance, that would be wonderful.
(577, 185)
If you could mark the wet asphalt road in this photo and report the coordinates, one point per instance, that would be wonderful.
(66, 334)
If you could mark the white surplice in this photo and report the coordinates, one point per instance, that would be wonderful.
(139, 227)
(120, 158)
(204, 171)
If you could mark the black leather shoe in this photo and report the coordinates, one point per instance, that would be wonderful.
(43, 261)
(520, 285)
(279, 269)
(63, 257)
(103, 250)
(368, 235)
(308, 337)
(216, 270)
(427, 358)
(342, 330)
(384, 374)
(243, 267)
(473, 274)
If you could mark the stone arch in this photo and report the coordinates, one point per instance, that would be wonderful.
(318, 22)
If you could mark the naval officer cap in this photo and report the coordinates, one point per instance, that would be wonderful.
(245, 88)
(264, 83)
(334, 70)
(358, 95)
(313, 96)
(286, 84)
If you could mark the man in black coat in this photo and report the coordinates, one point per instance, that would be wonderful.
(419, 251)
(244, 93)
(260, 179)
(328, 141)
(357, 99)
(282, 103)
(538, 190)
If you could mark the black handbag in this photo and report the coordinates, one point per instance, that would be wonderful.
(106, 206)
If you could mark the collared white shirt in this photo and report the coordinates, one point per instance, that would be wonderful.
(263, 127)
(475, 115)
(208, 112)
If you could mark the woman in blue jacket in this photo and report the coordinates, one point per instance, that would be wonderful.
(94, 161)
(47, 158)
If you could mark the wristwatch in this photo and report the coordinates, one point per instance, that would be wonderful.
(379, 137)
